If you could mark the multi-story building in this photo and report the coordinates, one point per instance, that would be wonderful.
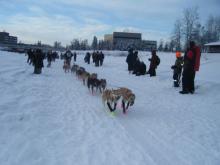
(108, 38)
(213, 47)
(5, 38)
(125, 40)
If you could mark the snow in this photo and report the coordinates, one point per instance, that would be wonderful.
(52, 119)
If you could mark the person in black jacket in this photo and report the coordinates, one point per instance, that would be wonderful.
(30, 54)
(38, 61)
(139, 68)
(177, 69)
(68, 57)
(49, 58)
(87, 58)
(102, 56)
(74, 56)
(131, 59)
(188, 75)
(142, 70)
(96, 58)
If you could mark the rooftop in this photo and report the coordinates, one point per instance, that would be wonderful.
(213, 44)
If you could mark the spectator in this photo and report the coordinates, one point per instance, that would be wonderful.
(177, 69)
(74, 56)
(154, 62)
(131, 59)
(38, 61)
(191, 65)
(102, 56)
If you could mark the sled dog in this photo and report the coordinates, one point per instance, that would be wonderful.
(84, 76)
(128, 97)
(66, 67)
(92, 82)
(109, 98)
(74, 68)
(102, 85)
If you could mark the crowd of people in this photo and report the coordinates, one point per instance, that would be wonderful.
(184, 67)
(137, 67)
(97, 58)
(35, 58)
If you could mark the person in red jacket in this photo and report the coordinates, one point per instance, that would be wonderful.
(191, 65)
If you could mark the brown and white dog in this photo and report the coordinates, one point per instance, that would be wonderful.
(80, 71)
(92, 82)
(74, 68)
(66, 67)
(128, 97)
(109, 98)
(84, 76)
(102, 85)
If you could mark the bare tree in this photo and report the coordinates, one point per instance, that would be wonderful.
(75, 45)
(84, 45)
(212, 29)
(57, 45)
(177, 35)
(190, 21)
(189, 28)
(160, 47)
(95, 43)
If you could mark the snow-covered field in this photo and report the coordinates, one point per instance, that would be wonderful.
(52, 119)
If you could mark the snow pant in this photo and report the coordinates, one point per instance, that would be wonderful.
(96, 63)
(152, 72)
(101, 62)
(188, 80)
(49, 64)
(130, 67)
(37, 70)
(176, 79)
(29, 60)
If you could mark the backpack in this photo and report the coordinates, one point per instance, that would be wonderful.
(157, 60)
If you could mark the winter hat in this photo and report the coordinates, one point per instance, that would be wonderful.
(178, 54)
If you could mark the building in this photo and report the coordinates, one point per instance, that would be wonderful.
(5, 38)
(213, 47)
(125, 40)
(108, 37)
(149, 45)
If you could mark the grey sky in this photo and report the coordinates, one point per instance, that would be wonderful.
(52, 20)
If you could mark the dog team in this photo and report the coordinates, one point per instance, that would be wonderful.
(110, 97)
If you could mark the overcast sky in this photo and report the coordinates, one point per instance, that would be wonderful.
(63, 20)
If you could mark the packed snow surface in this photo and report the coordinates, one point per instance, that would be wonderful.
(53, 119)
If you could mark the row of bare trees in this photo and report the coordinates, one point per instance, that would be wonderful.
(189, 28)
(78, 44)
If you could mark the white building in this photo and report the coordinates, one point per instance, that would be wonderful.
(213, 47)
